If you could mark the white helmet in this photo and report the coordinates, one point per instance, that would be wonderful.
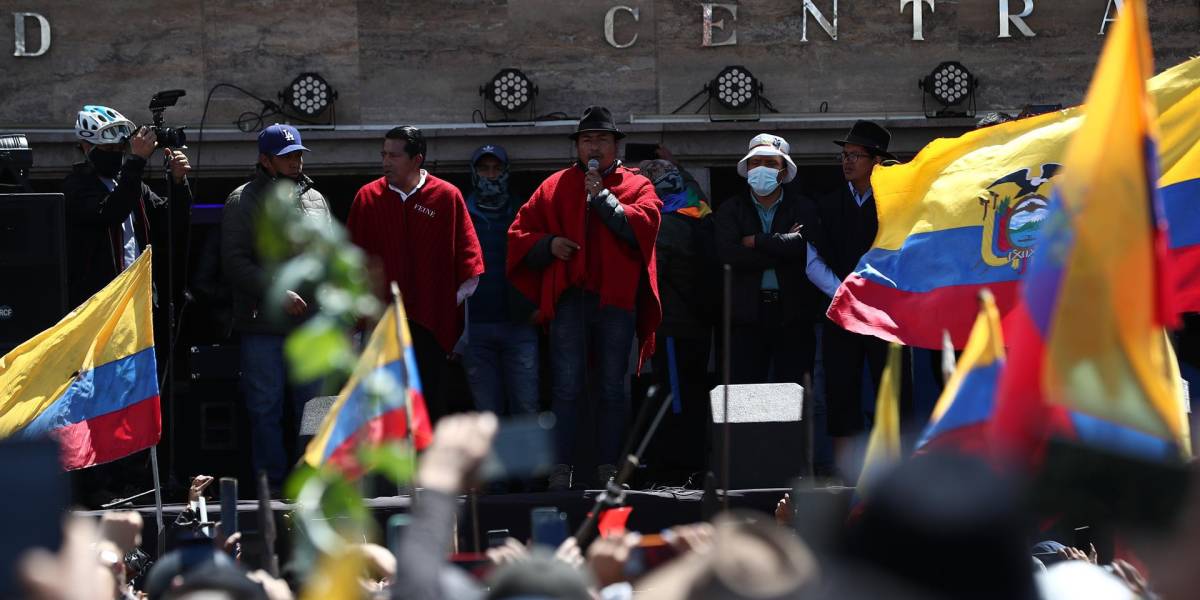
(102, 125)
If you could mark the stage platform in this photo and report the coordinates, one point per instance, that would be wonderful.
(653, 511)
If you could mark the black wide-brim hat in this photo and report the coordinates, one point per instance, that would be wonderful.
(871, 136)
(596, 118)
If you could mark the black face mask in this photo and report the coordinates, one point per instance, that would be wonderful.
(106, 162)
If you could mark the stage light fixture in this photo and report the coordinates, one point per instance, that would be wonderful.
(510, 91)
(736, 94)
(735, 87)
(309, 95)
(952, 86)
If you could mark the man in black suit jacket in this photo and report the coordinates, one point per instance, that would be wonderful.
(758, 234)
(847, 228)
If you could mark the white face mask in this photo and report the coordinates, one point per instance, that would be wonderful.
(763, 180)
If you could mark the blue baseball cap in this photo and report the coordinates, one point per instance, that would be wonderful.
(279, 139)
(494, 150)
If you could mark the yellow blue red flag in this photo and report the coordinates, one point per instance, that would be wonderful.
(1088, 357)
(960, 418)
(964, 214)
(883, 447)
(90, 381)
(379, 401)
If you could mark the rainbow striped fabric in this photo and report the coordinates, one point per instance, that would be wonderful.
(89, 381)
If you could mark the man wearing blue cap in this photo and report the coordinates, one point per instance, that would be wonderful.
(262, 331)
(502, 341)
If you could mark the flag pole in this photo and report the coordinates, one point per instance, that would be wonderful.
(158, 509)
(410, 427)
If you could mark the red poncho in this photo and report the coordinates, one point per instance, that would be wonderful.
(426, 244)
(623, 276)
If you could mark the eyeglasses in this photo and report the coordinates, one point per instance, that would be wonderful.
(850, 156)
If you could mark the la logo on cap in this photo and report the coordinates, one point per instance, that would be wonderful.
(287, 135)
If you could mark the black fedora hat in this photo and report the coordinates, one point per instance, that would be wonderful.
(596, 118)
(870, 136)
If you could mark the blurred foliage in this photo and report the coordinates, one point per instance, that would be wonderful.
(314, 257)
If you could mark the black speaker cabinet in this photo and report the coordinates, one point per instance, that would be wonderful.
(767, 446)
(33, 265)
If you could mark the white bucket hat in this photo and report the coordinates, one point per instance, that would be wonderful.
(765, 144)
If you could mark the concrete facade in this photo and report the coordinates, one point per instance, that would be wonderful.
(422, 62)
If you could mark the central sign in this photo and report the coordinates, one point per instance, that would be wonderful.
(718, 20)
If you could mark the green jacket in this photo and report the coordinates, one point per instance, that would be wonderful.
(239, 254)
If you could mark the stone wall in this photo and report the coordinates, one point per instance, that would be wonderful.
(422, 61)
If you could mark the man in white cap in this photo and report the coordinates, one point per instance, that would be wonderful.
(758, 234)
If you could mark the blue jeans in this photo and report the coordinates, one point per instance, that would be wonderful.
(264, 386)
(580, 322)
(502, 367)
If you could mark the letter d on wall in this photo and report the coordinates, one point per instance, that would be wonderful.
(19, 19)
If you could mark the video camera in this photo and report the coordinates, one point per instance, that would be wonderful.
(168, 137)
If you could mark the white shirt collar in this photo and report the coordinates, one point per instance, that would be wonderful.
(859, 199)
(404, 195)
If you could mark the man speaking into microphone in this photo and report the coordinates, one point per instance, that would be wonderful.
(582, 249)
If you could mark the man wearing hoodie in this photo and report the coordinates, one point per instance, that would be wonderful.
(502, 342)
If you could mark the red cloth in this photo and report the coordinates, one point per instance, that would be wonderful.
(623, 276)
(426, 244)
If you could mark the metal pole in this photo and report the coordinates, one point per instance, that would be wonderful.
(727, 368)
(158, 509)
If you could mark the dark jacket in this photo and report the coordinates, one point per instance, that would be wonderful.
(688, 282)
(94, 217)
(495, 300)
(845, 232)
(785, 252)
(239, 254)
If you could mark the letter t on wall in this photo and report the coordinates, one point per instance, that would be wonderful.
(918, 20)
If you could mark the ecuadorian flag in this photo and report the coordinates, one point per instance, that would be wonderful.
(959, 420)
(382, 397)
(883, 446)
(90, 381)
(964, 215)
(1089, 360)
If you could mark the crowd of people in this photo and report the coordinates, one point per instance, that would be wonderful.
(937, 527)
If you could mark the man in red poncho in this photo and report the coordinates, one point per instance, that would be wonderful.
(582, 249)
(417, 227)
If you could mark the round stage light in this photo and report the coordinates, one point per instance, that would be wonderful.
(309, 94)
(950, 83)
(510, 90)
(735, 87)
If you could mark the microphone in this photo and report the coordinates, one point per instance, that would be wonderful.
(593, 165)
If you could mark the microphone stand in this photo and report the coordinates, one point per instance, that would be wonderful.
(172, 331)
(613, 494)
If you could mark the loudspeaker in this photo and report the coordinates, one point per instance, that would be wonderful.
(33, 265)
(212, 428)
(766, 447)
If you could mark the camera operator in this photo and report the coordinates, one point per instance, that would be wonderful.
(109, 210)
(108, 205)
